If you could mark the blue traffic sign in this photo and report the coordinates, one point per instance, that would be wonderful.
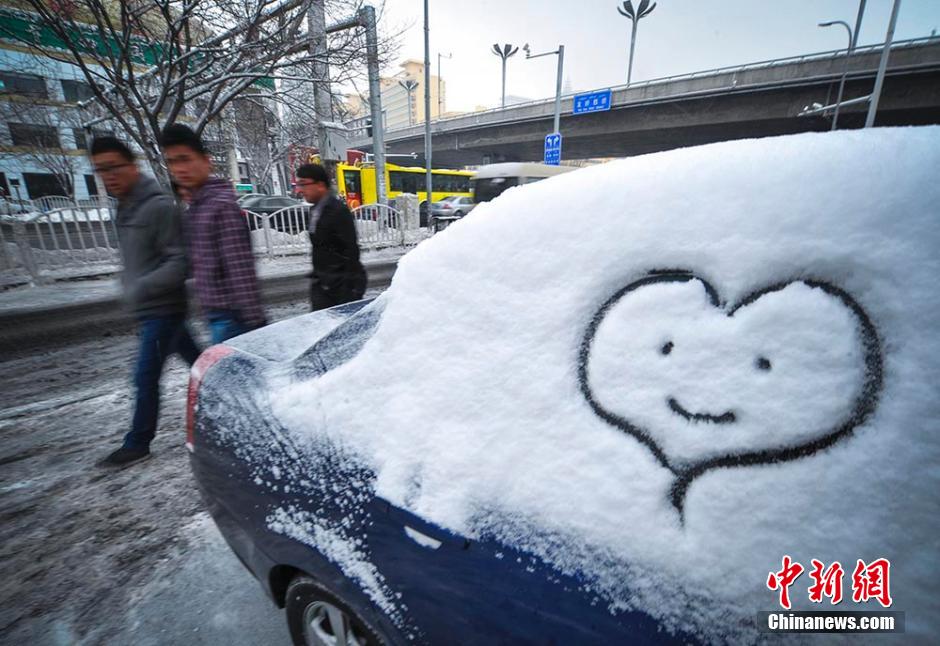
(553, 148)
(592, 102)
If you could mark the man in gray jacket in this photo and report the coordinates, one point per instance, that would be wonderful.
(149, 236)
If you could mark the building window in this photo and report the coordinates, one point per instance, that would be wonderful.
(43, 184)
(76, 91)
(4, 187)
(81, 140)
(244, 177)
(23, 84)
(34, 136)
(90, 185)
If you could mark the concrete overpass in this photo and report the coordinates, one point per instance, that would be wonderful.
(753, 100)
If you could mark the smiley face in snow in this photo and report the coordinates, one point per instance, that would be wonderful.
(786, 372)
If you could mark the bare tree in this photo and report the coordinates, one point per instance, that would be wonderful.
(153, 62)
(35, 133)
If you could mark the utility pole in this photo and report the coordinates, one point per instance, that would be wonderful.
(858, 25)
(322, 99)
(845, 67)
(428, 180)
(410, 85)
(367, 20)
(882, 66)
(504, 53)
(560, 52)
(440, 95)
(644, 9)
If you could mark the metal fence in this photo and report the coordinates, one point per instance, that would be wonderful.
(284, 232)
(55, 237)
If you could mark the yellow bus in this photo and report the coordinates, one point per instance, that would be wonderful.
(356, 184)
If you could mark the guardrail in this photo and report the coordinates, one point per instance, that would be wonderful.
(58, 241)
(55, 238)
(284, 232)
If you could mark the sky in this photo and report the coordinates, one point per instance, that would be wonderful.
(678, 37)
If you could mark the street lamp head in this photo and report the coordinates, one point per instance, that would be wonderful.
(526, 49)
(644, 9)
(505, 51)
(827, 24)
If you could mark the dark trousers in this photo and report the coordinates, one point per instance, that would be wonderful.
(224, 325)
(322, 298)
(159, 337)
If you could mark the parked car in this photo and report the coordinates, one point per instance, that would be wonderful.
(288, 221)
(244, 196)
(452, 206)
(656, 383)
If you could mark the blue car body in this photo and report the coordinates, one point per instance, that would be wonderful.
(445, 588)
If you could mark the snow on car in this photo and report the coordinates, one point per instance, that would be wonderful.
(623, 394)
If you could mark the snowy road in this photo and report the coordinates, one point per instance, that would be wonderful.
(91, 556)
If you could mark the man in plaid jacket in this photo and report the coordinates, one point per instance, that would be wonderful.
(223, 266)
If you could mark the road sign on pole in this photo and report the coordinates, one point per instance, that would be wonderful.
(553, 149)
(592, 102)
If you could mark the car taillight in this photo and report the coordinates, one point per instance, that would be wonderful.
(205, 361)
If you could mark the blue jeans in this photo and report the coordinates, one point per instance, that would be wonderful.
(225, 324)
(159, 337)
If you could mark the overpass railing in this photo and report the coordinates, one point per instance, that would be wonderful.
(483, 115)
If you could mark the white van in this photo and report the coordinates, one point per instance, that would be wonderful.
(491, 180)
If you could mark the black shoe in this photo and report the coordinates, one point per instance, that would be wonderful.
(124, 457)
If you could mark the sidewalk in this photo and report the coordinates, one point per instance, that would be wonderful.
(47, 315)
(106, 288)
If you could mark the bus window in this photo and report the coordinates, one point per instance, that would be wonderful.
(490, 188)
(352, 180)
(403, 181)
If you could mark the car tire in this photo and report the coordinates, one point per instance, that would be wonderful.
(315, 614)
(458, 214)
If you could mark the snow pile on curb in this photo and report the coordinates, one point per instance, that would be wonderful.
(531, 380)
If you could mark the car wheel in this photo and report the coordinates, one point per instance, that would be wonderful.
(458, 214)
(318, 617)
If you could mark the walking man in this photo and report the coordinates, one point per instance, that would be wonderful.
(338, 275)
(149, 237)
(219, 241)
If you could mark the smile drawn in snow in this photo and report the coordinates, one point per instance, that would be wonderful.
(692, 437)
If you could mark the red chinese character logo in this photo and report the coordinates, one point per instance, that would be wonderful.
(826, 584)
(872, 582)
(783, 579)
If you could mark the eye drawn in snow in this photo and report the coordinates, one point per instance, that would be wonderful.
(786, 372)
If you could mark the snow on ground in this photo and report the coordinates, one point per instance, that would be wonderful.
(111, 557)
(780, 400)
(63, 293)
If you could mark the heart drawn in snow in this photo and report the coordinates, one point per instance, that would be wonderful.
(786, 372)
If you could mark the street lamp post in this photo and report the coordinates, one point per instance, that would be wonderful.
(858, 23)
(882, 66)
(410, 85)
(845, 68)
(440, 97)
(642, 11)
(504, 52)
(560, 52)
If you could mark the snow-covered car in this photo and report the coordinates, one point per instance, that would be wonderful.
(644, 424)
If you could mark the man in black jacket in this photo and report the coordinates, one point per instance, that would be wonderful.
(338, 276)
(154, 284)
